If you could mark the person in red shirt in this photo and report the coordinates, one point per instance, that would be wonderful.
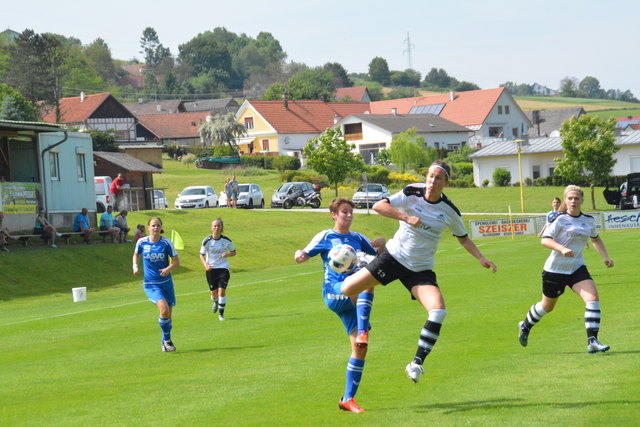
(116, 193)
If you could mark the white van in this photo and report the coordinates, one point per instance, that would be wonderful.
(103, 198)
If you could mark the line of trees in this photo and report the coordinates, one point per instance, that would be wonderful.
(588, 87)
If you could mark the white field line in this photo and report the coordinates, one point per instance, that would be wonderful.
(141, 302)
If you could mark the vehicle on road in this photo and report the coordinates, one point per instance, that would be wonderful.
(249, 196)
(299, 188)
(159, 200)
(628, 195)
(197, 196)
(368, 194)
(103, 198)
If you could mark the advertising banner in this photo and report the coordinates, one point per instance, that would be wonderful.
(19, 197)
(502, 227)
(616, 220)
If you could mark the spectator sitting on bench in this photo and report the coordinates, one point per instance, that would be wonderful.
(81, 224)
(44, 228)
(121, 223)
(4, 234)
(106, 224)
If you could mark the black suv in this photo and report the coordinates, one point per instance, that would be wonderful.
(278, 198)
(628, 196)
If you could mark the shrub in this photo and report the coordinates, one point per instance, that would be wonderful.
(540, 182)
(286, 163)
(313, 177)
(188, 159)
(463, 168)
(378, 174)
(485, 183)
(501, 177)
(465, 182)
(528, 182)
(403, 178)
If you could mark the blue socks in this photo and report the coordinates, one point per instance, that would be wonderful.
(363, 311)
(165, 325)
(355, 367)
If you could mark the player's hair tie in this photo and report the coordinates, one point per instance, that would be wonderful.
(445, 171)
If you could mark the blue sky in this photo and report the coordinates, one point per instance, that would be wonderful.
(485, 42)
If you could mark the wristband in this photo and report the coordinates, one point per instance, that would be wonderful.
(135, 266)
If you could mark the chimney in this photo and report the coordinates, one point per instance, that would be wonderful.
(285, 100)
(336, 119)
(452, 96)
(394, 111)
(82, 97)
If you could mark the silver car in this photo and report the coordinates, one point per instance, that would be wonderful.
(249, 196)
(369, 194)
(198, 196)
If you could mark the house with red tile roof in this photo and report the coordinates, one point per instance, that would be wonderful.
(134, 76)
(174, 129)
(492, 114)
(284, 127)
(354, 94)
(101, 112)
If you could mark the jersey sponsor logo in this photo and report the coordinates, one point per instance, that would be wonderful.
(154, 257)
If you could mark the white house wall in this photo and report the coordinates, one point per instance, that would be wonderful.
(515, 119)
(628, 160)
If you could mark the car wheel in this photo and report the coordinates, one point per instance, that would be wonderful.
(288, 204)
(217, 204)
(251, 204)
(99, 208)
(206, 205)
(262, 204)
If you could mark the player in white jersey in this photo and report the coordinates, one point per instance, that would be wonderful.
(566, 236)
(215, 250)
(423, 212)
(159, 257)
(355, 311)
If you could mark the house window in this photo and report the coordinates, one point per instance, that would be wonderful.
(496, 132)
(82, 172)
(551, 169)
(514, 131)
(436, 145)
(506, 109)
(248, 123)
(536, 171)
(122, 135)
(499, 109)
(54, 167)
(353, 132)
(265, 144)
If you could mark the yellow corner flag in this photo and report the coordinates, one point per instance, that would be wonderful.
(177, 240)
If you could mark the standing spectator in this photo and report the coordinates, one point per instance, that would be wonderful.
(44, 228)
(106, 224)
(423, 213)
(156, 251)
(140, 232)
(4, 235)
(116, 191)
(353, 311)
(121, 222)
(566, 236)
(227, 193)
(81, 224)
(215, 250)
(234, 191)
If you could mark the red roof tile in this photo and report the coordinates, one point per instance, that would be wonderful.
(467, 109)
(355, 93)
(305, 116)
(181, 125)
(73, 110)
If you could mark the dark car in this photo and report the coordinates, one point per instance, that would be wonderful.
(280, 195)
(628, 195)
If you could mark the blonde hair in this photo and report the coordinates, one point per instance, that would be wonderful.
(567, 190)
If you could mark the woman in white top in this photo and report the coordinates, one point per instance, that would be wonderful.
(423, 212)
(566, 236)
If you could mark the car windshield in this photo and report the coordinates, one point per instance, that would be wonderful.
(243, 188)
(193, 192)
(371, 188)
(284, 187)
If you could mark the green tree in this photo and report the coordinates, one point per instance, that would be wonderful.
(589, 146)
(501, 177)
(437, 78)
(340, 76)
(591, 87)
(99, 57)
(221, 129)
(154, 52)
(14, 106)
(569, 87)
(407, 150)
(104, 141)
(329, 154)
(203, 54)
(274, 92)
(407, 78)
(379, 71)
(311, 84)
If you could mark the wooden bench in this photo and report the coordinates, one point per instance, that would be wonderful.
(67, 235)
(24, 238)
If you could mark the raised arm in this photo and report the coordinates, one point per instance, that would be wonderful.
(384, 208)
(471, 247)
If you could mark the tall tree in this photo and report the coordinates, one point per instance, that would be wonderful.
(591, 87)
(206, 55)
(99, 57)
(340, 76)
(589, 146)
(379, 71)
(408, 149)
(569, 87)
(407, 78)
(437, 77)
(14, 106)
(154, 52)
(329, 154)
(222, 129)
(311, 84)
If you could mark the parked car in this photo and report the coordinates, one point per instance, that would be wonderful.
(159, 200)
(197, 196)
(103, 198)
(628, 195)
(278, 198)
(368, 194)
(249, 196)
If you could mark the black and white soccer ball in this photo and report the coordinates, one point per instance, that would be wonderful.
(342, 259)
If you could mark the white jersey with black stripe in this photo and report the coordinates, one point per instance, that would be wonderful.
(415, 247)
(213, 249)
(572, 232)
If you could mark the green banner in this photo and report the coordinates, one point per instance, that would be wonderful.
(19, 197)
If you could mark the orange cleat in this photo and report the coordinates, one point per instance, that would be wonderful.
(362, 339)
(350, 405)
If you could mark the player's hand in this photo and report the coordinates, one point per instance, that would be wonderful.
(608, 262)
(488, 264)
(164, 272)
(567, 252)
(413, 221)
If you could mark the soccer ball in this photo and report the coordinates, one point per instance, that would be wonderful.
(342, 259)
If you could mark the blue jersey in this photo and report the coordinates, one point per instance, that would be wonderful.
(80, 222)
(327, 239)
(155, 257)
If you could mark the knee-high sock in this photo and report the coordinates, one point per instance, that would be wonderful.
(363, 310)
(165, 325)
(222, 302)
(429, 334)
(533, 316)
(592, 319)
(355, 367)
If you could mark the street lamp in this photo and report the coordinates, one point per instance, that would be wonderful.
(519, 142)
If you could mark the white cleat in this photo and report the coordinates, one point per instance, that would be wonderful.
(594, 346)
(168, 346)
(214, 307)
(220, 317)
(414, 371)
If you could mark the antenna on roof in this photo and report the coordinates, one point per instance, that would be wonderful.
(409, 45)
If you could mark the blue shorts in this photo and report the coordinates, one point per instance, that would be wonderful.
(341, 305)
(234, 194)
(164, 291)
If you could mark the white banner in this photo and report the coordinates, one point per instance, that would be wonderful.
(616, 220)
(502, 227)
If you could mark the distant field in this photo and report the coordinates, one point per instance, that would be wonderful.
(528, 103)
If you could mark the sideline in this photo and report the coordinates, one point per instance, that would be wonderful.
(360, 211)
(143, 301)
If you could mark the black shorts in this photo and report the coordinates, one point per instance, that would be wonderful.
(218, 278)
(385, 269)
(553, 284)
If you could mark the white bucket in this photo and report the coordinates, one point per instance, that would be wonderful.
(79, 294)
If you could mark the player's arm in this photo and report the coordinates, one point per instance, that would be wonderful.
(203, 260)
(471, 247)
(599, 245)
(228, 254)
(384, 208)
(379, 243)
(135, 263)
(300, 256)
(175, 262)
(549, 243)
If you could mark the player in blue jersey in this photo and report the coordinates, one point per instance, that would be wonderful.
(423, 212)
(555, 207)
(214, 253)
(159, 258)
(566, 236)
(355, 311)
